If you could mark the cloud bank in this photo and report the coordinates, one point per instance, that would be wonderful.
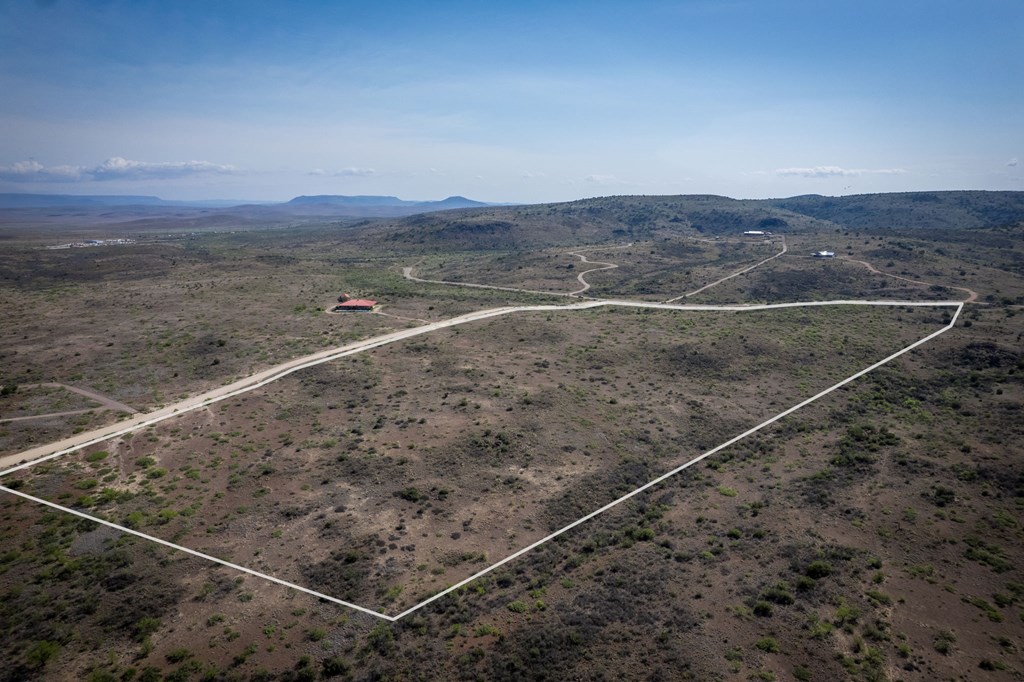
(344, 173)
(836, 172)
(114, 168)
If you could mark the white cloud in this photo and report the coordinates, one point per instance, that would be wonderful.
(33, 171)
(344, 172)
(114, 168)
(1012, 162)
(355, 172)
(117, 168)
(600, 179)
(837, 172)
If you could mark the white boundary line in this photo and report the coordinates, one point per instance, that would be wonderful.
(517, 554)
(735, 274)
(690, 463)
(193, 552)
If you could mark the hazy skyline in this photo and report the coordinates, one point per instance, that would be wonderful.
(520, 102)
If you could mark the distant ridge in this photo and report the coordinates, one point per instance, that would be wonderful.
(363, 200)
(361, 203)
(457, 202)
(469, 224)
(18, 200)
(47, 200)
(342, 200)
(944, 210)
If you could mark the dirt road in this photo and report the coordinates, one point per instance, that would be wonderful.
(579, 277)
(972, 295)
(70, 413)
(15, 462)
(103, 400)
(407, 273)
(106, 403)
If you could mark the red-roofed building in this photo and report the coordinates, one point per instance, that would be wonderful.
(355, 304)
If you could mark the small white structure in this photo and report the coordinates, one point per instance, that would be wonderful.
(756, 233)
(824, 254)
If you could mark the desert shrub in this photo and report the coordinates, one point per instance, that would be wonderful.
(818, 569)
(410, 494)
(943, 642)
(334, 666)
(40, 653)
(779, 594)
(381, 638)
(990, 555)
(880, 597)
(846, 615)
(146, 626)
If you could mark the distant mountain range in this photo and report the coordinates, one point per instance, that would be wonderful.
(382, 201)
(472, 224)
(92, 200)
(334, 200)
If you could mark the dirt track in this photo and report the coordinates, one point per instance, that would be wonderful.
(106, 403)
(972, 294)
(728, 277)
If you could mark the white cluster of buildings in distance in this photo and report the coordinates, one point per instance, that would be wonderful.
(93, 242)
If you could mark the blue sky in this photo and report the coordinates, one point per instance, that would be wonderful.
(524, 102)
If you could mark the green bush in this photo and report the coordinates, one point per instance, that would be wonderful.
(517, 606)
(779, 594)
(880, 597)
(381, 638)
(411, 494)
(145, 627)
(41, 653)
(943, 642)
(335, 666)
(768, 644)
(818, 569)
